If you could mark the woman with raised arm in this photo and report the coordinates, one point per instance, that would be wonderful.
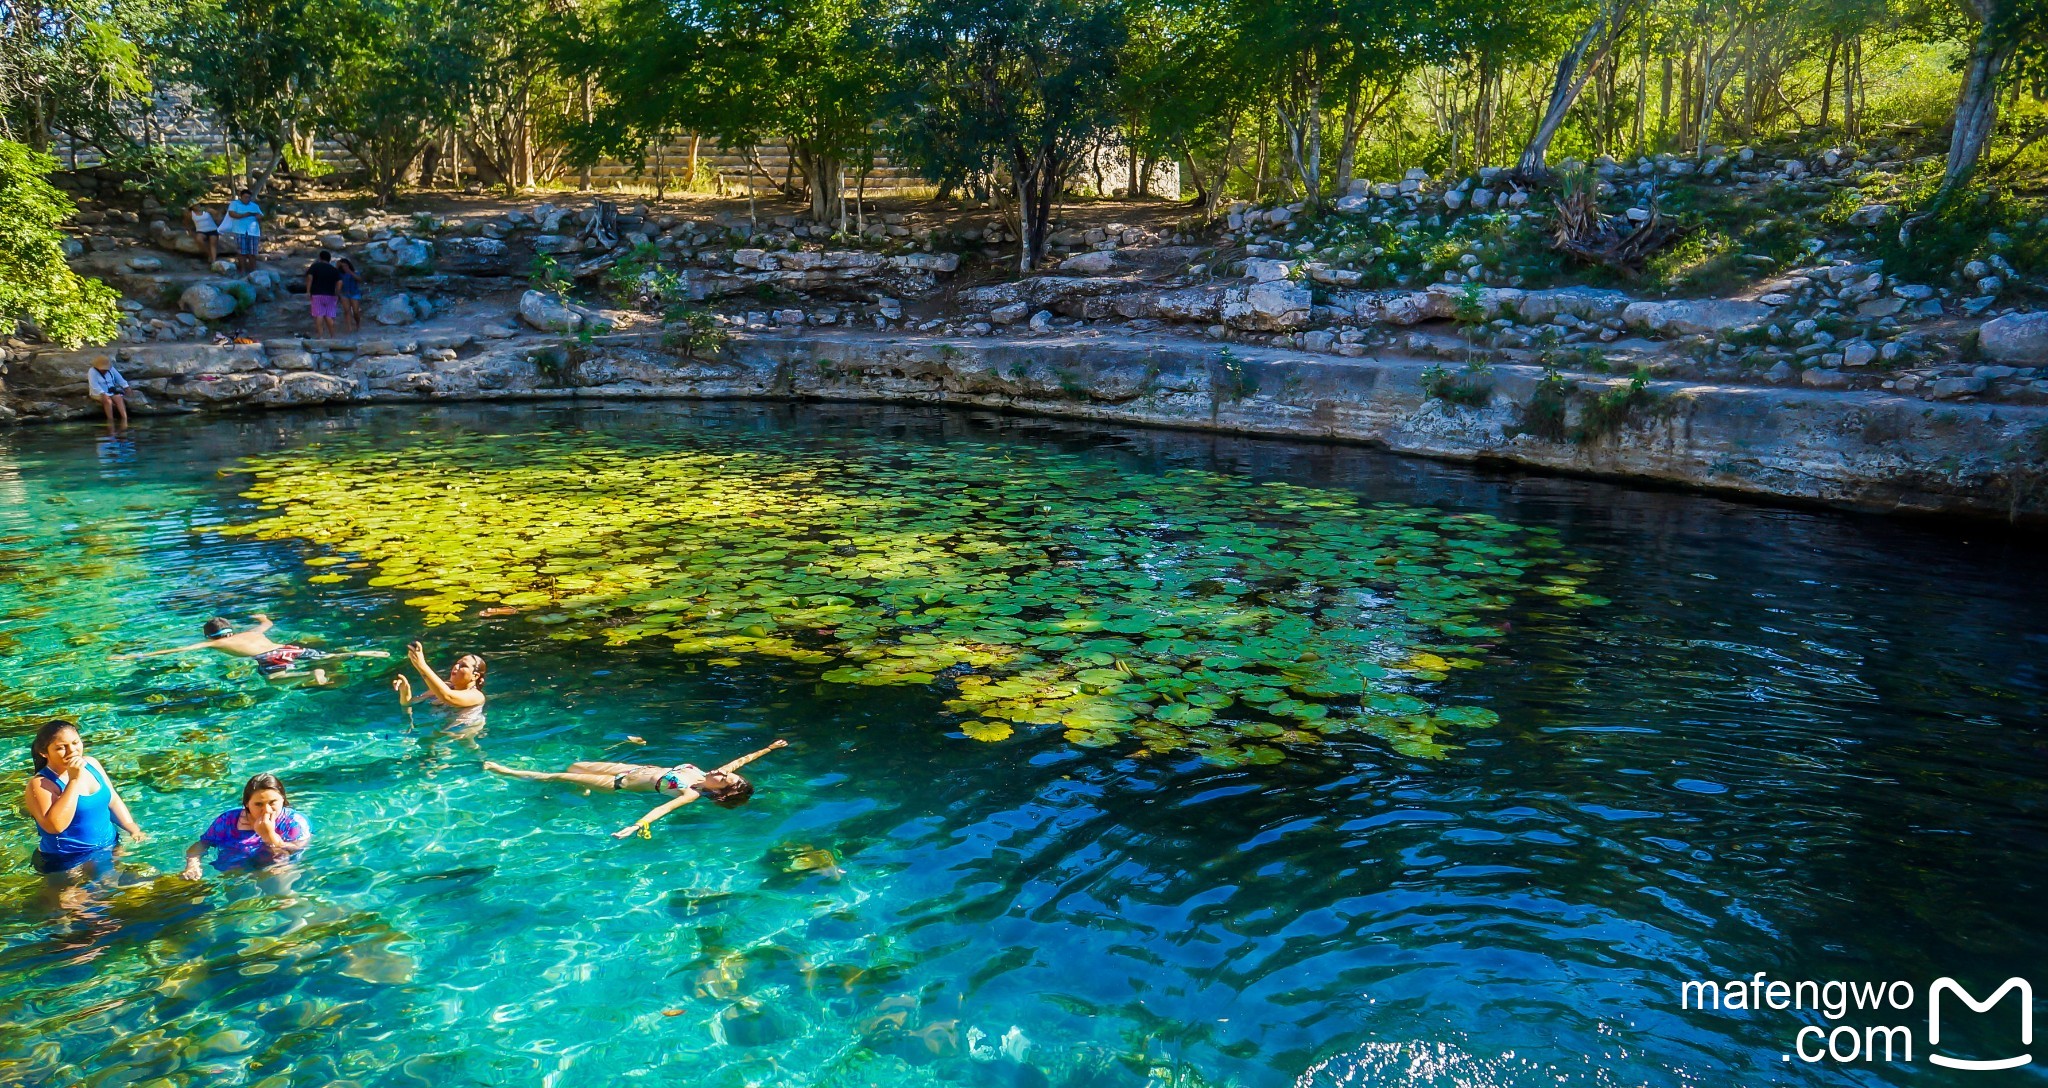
(681, 784)
(463, 690)
(78, 813)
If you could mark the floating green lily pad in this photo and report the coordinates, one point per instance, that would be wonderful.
(1183, 610)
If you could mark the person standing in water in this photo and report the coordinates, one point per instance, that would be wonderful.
(681, 784)
(275, 660)
(79, 815)
(265, 831)
(463, 690)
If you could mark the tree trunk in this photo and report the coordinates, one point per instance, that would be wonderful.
(822, 176)
(1573, 69)
(1976, 117)
(1664, 106)
(583, 181)
(1642, 92)
(1259, 164)
(1827, 83)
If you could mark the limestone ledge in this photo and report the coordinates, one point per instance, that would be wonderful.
(1858, 450)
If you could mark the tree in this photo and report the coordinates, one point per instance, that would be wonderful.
(1018, 85)
(393, 84)
(258, 65)
(2005, 29)
(1595, 44)
(70, 66)
(35, 283)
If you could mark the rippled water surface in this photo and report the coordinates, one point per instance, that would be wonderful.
(1738, 739)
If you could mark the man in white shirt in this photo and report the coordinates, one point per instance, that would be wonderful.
(245, 225)
(109, 388)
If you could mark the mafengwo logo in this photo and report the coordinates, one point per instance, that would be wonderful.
(1946, 1001)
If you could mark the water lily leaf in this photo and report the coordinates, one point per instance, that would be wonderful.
(1049, 587)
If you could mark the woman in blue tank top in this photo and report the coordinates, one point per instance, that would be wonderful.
(75, 807)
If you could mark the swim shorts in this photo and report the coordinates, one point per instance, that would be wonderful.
(284, 657)
(325, 306)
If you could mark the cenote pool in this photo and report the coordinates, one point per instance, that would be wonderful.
(1117, 758)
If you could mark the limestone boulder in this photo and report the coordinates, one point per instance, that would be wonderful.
(1266, 269)
(1695, 316)
(474, 256)
(2016, 339)
(1277, 306)
(207, 302)
(304, 387)
(1093, 263)
(175, 239)
(402, 309)
(548, 313)
(400, 255)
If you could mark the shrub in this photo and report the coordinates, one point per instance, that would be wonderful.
(35, 283)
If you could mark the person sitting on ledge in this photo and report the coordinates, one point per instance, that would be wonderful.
(681, 784)
(275, 660)
(463, 690)
(109, 388)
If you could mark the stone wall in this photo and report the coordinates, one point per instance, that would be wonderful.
(1851, 449)
(179, 119)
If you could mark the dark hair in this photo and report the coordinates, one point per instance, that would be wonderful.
(479, 659)
(726, 796)
(217, 627)
(38, 750)
(258, 783)
(351, 265)
(324, 257)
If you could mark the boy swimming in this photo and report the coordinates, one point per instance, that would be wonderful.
(275, 660)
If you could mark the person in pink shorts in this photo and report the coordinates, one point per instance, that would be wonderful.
(323, 286)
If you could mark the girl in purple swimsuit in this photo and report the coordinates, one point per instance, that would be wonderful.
(263, 832)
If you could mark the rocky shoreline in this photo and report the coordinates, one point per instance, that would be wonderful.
(1865, 450)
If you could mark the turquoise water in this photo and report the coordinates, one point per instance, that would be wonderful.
(1798, 743)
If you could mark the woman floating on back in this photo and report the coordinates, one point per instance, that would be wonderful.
(78, 813)
(680, 784)
(264, 831)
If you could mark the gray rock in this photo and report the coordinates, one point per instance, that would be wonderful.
(333, 242)
(474, 256)
(1266, 270)
(1700, 316)
(1010, 314)
(399, 254)
(399, 309)
(206, 302)
(2019, 339)
(1859, 353)
(145, 263)
(498, 332)
(1871, 215)
(1779, 372)
(789, 317)
(548, 313)
(1913, 292)
(1823, 378)
(1881, 307)
(1093, 263)
(1041, 321)
(1946, 388)
(1270, 307)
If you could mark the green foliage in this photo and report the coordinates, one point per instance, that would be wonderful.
(35, 283)
(1184, 611)
(1471, 387)
(1238, 381)
(693, 331)
(173, 175)
(1614, 408)
(1548, 408)
(549, 274)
